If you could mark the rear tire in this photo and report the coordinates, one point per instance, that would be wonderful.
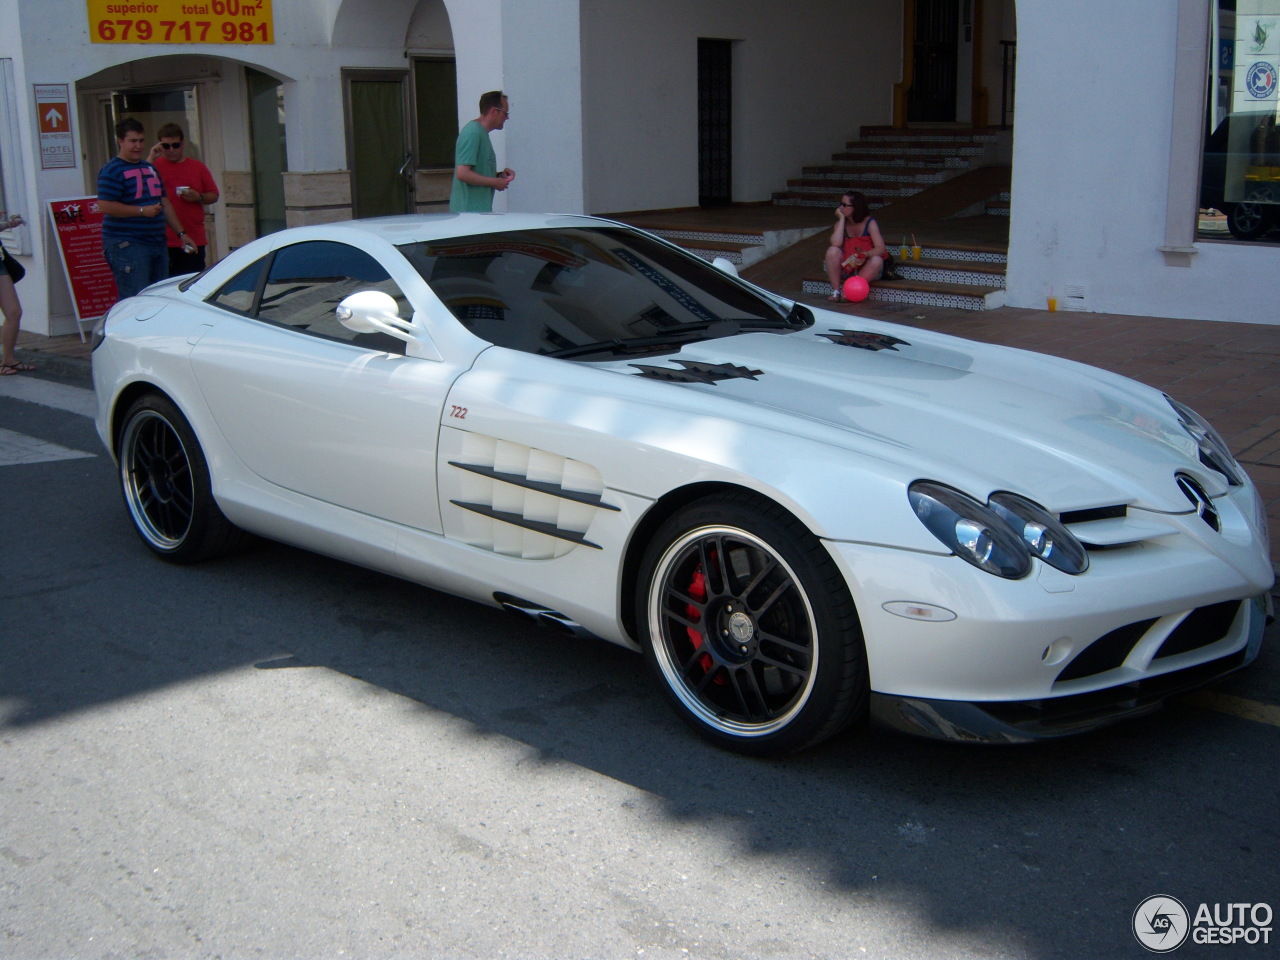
(749, 627)
(165, 482)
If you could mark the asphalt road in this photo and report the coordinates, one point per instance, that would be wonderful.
(278, 755)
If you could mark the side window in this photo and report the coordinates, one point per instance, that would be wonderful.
(307, 281)
(237, 293)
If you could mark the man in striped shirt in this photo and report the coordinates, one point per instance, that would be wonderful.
(134, 213)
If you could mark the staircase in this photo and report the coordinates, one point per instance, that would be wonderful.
(944, 185)
(887, 165)
(947, 186)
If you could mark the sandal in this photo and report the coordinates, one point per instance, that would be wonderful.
(837, 297)
(9, 369)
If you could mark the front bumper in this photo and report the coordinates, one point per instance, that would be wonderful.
(1026, 721)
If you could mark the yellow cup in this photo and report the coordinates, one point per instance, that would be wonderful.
(1053, 303)
(902, 252)
(915, 252)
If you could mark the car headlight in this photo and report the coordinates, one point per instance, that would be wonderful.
(99, 334)
(970, 530)
(1044, 535)
(1214, 452)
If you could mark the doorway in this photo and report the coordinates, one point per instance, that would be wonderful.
(715, 122)
(932, 98)
(381, 163)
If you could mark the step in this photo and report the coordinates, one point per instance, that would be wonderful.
(930, 134)
(683, 235)
(999, 206)
(891, 161)
(862, 174)
(955, 254)
(742, 248)
(739, 254)
(831, 188)
(790, 199)
(971, 274)
(923, 292)
(899, 149)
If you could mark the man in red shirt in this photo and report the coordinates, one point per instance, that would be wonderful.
(189, 186)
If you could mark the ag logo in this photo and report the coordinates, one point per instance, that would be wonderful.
(1260, 81)
(1161, 924)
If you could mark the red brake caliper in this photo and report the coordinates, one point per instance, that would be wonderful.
(698, 590)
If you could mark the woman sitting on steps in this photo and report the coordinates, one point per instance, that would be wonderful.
(856, 245)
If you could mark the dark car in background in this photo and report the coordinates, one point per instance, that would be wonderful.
(1241, 173)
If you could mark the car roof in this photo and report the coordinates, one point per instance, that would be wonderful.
(410, 228)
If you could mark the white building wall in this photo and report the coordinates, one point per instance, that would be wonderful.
(804, 82)
(543, 60)
(1091, 172)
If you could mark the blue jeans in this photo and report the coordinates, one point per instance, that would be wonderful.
(135, 265)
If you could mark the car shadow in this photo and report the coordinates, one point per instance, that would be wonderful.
(1051, 846)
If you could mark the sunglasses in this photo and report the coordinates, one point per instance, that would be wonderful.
(171, 146)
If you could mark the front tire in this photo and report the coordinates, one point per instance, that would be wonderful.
(749, 627)
(165, 481)
(1249, 220)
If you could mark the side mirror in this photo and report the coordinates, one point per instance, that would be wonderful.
(372, 311)
(725, 266)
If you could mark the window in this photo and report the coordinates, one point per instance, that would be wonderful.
(303, 285)
(1240, 173)
(11, 167)
(589, 294)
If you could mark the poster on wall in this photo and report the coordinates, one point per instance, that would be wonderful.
(1257, 55)
(77, 223)
(53, 116)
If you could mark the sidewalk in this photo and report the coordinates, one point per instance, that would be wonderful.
(1228, 372)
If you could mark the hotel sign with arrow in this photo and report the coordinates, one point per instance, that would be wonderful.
(53, 111)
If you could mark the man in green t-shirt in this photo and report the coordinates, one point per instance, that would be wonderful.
(475, 172)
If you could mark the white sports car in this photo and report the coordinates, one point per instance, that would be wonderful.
(800, 517)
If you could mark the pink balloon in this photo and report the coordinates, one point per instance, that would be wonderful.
(856, 289)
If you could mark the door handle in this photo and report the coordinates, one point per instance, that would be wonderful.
(406, 168)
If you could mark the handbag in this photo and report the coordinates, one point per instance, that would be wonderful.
(16, 270)
(890, 270)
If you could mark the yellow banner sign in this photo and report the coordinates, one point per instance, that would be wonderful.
(181, 21)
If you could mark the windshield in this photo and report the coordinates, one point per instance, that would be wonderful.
(589, 293)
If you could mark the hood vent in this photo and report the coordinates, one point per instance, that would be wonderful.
(864, 340)
(696, 372)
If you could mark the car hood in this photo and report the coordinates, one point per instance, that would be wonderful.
(977, 416)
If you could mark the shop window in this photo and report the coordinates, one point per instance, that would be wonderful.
(1240, 171)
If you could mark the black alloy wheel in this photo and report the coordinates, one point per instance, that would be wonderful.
(750, 628)
(165, 482)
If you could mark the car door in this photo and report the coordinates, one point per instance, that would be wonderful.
(314, 408)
